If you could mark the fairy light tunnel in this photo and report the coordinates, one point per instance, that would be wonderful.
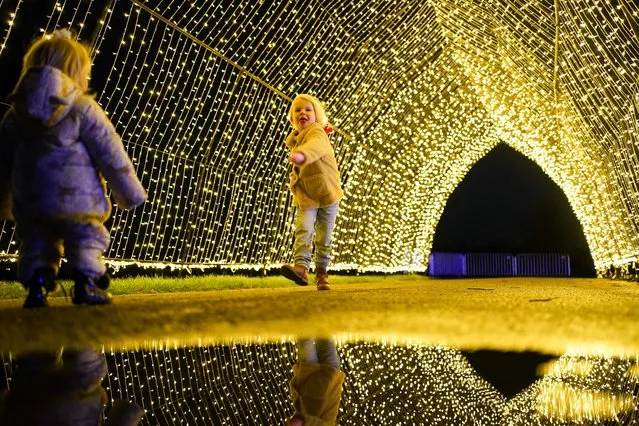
(397, 383)
(418, 92)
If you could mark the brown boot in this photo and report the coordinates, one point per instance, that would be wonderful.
(321, 279)
(295, 273)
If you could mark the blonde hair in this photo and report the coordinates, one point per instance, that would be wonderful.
(61, 51)
(320, 112)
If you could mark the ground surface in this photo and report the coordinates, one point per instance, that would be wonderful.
(548, 315)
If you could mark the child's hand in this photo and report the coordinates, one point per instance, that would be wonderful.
(296, 420)
(296, 158)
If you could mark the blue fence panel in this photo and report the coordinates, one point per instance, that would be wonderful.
(489, 265)
(447, 264)
(499, 264)
(549, 264)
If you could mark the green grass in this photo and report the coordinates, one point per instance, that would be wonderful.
(151, 285)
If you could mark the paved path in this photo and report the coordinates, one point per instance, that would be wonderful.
(542, 314)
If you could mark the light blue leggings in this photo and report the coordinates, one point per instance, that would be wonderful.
(319, 222)
(321, 351)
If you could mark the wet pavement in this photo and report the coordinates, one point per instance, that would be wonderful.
(549, 315)
(447, 352)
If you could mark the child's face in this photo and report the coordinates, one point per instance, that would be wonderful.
(303, 114)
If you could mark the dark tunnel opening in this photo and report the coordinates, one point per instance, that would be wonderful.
(507, 204)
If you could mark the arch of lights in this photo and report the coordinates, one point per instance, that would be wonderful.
(399, 383)
(418, 92)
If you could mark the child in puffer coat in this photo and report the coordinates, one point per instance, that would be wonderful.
(56, 148)
(63, 389)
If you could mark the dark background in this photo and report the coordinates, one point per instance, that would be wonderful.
(507, 204)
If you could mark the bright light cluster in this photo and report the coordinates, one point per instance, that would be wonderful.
(581, 389)
(221, 385)
(414, 385)
(248, 384)
(418, 92)
(240, 382)
(386, 384)
(561, 90)
(7, 24)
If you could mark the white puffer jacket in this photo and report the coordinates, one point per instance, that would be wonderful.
(55, 145)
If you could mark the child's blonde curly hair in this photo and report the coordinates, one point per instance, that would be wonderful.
(320, 112)
(60, 50)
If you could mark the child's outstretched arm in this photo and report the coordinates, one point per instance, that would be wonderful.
(315, 146)
(106, 149)
(7, 148)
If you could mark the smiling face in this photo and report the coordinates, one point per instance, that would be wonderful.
(302, 113)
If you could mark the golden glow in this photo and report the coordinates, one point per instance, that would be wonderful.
(395, 382)
(581, 388)
(418, 92)
(564, 403)
(386, 384)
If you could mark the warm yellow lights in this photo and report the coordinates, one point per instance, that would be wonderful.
(6, 32)
(566, 404)
(418, 92)
(582, 388)
(387, 383)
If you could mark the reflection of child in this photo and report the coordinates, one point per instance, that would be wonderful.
(316, 387)
(62, 389)
(56, 143)
(316, 190)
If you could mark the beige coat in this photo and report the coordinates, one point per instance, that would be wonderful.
(316, 390)
(314, 183)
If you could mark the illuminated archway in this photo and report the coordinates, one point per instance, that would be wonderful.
(418, 92)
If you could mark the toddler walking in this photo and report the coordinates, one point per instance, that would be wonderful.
(315, 185)
(56, 147)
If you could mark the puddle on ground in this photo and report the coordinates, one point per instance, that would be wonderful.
(383, 384)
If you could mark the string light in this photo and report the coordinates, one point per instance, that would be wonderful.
(7, 26)
(418, 93)
(581, 389)
(7, 232)
(205, 384)
(386, 383)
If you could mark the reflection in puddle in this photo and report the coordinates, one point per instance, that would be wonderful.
(582, 389)
(62, 388)
(385, 384)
